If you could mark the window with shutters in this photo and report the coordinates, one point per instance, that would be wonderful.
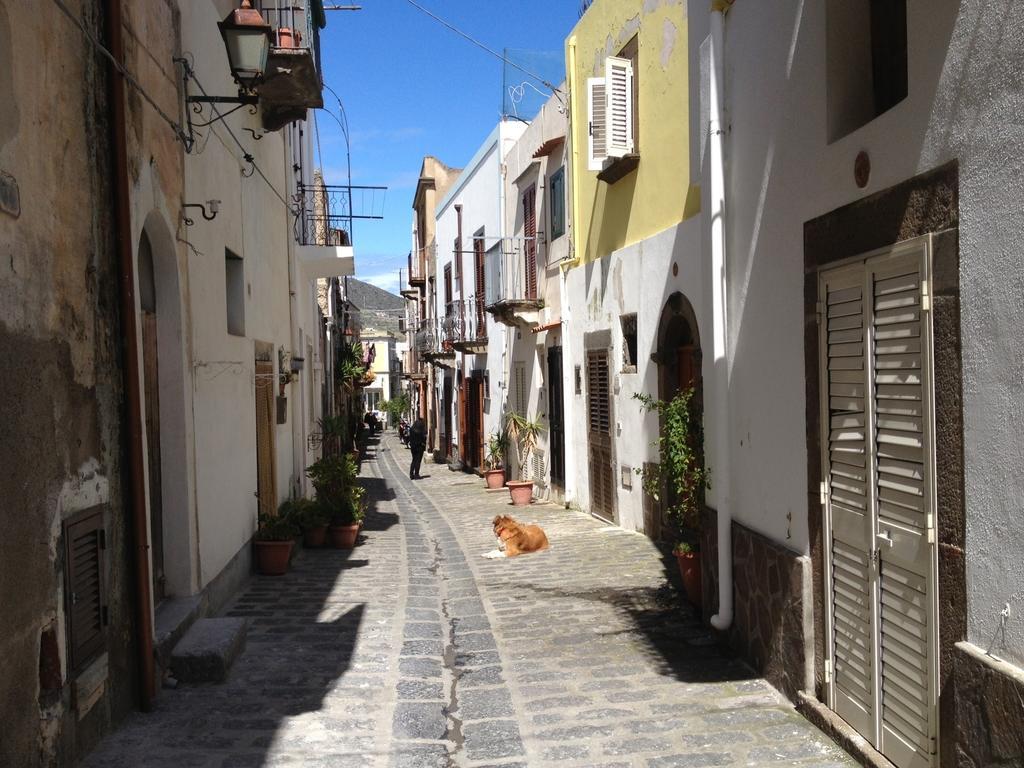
(879, 495)
(599, 437)
(556, 206)
(447, 289)
(519, 393)
(84, 545)
(530, 243)
(457, 253)
(480, 279)
(613, 149)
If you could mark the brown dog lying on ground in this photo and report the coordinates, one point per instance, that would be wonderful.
(518, 538)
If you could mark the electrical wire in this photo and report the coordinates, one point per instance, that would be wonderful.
(179, 134)
(480, 45)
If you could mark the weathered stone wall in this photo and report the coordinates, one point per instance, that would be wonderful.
(60, 356)
(989, 710)
(770, 611)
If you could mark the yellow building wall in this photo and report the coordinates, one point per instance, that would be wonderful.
(661, 191)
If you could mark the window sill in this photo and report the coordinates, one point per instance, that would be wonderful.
(618, 167)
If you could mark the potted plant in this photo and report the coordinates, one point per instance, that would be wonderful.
(679, 479)
(337, 492)
(523, 433)
(312, 519)
(275, 538)
(497, 446)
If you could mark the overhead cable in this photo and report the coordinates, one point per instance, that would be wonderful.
(480, 45)
(179, 134)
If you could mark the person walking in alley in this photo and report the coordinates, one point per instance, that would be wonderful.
(417, 444)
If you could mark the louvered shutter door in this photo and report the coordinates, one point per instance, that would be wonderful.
(619, 95)
(481, 287)
(266, 481)
(596, 124)
(846, 469)
(86, 607)
(904, 478)
(879, 463)
(530, 244)
(602, 489)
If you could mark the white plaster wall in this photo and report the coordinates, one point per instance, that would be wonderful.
(965, 99)
(255, 225)
(479, 190)
(637, 278)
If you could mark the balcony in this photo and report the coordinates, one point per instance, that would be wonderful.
(513, 287)
(432, 343)
(465, 325)
(323, 224)
(292, 84)
(418, 261)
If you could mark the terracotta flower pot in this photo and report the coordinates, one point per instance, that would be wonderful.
(689, 569)
(344, 536)
(521, 492)
(315, 536)
(272, 557)
(495, 478)
(288, 38)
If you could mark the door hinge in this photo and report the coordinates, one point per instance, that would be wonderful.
(823, 491)
(874, 557)
(828, 670)
(930, 527)
(926, 299)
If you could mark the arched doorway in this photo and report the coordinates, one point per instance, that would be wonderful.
(172, 533)
(679, 358)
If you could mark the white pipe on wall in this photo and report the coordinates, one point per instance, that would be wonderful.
(719, 294)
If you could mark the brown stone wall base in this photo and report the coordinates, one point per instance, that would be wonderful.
(840, 732)
(771, 618)
(989, 710)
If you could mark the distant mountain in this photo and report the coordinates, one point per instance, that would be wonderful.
(379, 310)
(368, 296)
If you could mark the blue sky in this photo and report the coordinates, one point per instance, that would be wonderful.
(411, 87)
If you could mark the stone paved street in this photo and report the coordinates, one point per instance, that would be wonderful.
(414, 651)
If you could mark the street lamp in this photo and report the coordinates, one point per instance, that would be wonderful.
(247, 39)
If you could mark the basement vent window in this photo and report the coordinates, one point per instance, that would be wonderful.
(628, 323)
(234, 292)
(866, 56)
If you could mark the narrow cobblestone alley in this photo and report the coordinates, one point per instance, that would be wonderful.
(414, 651)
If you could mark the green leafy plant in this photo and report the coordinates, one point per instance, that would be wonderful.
(524, 434)
(497, 447)
(349, 366)
(276, 528)
(684, 548)
(397, 407)
(680, 478)
(337, 489)
(305, 513)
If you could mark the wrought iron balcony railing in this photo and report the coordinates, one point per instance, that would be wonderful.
(465, 323)
(418, 265)
(326, 212)
(515, 272)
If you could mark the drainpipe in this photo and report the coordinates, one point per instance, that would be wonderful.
(130, 337)
(298, 412)
(720, 319)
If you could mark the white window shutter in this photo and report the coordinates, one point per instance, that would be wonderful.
(619, 95)
(596, 123)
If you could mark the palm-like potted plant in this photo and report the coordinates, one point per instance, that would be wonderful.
(338, 493)
(679, 479)
(497, 447)
(524, 434)
(275, 538)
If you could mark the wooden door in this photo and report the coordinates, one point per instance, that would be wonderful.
(151, 383)
(599, 436)
(530, 244)
(464, 422)
(877, 418)
(447, 418)
(556, 418)
(481, 287)
(266, 481)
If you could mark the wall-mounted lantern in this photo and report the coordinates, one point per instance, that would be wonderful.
(247, 39)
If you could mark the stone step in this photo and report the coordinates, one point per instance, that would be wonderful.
(208, 649)
(174, 617)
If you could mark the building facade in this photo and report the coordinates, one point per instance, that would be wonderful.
(184, 259)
